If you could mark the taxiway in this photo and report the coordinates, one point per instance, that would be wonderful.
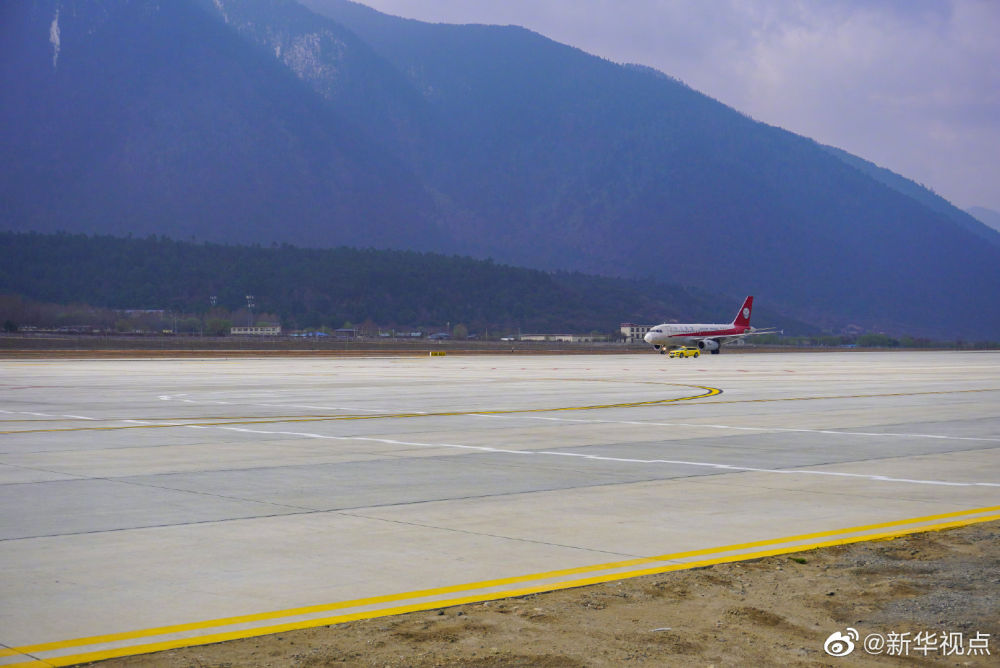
(147, 504)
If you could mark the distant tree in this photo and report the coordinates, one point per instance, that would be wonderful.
(460, 331)
(877, 341)
(217, 326)
(9, 326)
(189, 325)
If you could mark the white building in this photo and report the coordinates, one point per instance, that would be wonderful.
(633, 333)
(269, 330)
(565, 338)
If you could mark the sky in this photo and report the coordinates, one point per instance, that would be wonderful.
(911, 85)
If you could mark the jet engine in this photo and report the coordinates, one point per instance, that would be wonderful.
(710, 345)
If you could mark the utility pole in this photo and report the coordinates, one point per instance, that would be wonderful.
(250, 305)
(212, 301)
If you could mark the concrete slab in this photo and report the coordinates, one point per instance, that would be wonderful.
(269, 493)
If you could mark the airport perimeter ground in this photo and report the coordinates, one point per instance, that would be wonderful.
(147, 504)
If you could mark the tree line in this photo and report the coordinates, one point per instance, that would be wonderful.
(303, 288)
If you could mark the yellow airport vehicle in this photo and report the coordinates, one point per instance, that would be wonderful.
(684, 352)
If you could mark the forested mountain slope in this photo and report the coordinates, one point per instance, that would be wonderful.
(328, 287)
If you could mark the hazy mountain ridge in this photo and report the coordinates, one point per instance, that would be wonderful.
(986, 216)
(922, 194)
(262, 121)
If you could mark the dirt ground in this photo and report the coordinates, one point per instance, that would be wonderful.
(774, 611)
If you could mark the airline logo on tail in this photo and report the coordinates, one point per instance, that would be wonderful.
(742, 318)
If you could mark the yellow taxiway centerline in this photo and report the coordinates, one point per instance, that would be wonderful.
(224, 421)
(709, 392)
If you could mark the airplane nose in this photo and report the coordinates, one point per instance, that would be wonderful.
(648, 338)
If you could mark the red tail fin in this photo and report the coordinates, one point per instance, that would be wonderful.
(743, 317)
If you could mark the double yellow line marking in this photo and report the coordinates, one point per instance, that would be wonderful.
(441, 597)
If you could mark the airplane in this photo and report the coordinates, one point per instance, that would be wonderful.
(706, 337)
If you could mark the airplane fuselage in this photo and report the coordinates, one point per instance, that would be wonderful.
(673, 335)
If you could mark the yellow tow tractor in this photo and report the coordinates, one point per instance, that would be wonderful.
(684, 352)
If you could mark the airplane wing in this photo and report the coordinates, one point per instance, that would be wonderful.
(728, 338)
(770, 330)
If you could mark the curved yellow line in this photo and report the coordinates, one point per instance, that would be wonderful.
(709, 392)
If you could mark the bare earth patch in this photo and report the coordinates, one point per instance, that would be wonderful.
(773, 611)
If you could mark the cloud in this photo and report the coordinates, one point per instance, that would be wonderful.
(912, 85)
(916, 91)
(54, 39)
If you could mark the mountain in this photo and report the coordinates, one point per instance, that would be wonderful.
(922, 194)
(986, 216)
(325, 123)
(147, 117)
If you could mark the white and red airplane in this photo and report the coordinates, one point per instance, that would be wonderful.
(708, 337)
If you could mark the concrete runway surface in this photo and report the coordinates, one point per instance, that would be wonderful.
(149, 504)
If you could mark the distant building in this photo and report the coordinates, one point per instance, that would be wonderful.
(268, 330)
(633, 333)
(565, 338)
